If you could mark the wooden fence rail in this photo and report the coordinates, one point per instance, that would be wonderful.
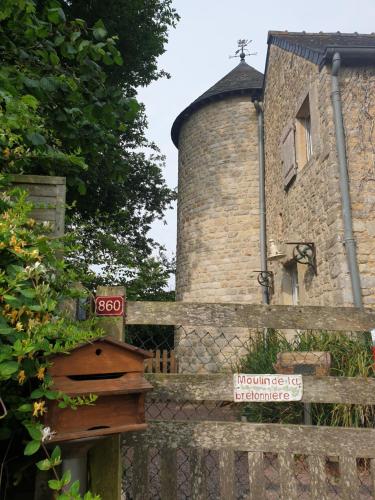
(162, 361)
(272, 438)
(250, 316)
(219, 387)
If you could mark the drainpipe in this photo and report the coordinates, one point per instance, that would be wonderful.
(262, 205)
(349, 241)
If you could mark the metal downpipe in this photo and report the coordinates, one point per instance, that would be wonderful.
(262, 198)
(349, 241)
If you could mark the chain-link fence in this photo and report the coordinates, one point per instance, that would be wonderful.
(198, 350)
(238, 350)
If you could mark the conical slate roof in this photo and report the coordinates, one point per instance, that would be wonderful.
(243, 79)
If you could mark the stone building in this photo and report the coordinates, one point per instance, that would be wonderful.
(312, 233)
(218, 222)
(308, 206)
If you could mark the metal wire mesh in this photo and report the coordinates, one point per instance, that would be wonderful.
(201, 350)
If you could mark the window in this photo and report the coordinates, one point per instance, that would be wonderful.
(303, 138)
(296, 143)
(288, 157)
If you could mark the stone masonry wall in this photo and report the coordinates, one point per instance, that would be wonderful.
(357, 92)
(218, 222)
(310, 210)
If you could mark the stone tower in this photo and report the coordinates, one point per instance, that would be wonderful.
(218, 192)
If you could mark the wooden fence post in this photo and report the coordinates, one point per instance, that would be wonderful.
(105, 468)
(47, 193)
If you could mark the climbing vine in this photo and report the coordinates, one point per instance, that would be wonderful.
(34, 283)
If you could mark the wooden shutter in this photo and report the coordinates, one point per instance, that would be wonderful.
(288, 156)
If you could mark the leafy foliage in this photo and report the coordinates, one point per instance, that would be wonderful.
(67, 107)
(34, 281)
(139, 47)
(51, 72)
(351, 356)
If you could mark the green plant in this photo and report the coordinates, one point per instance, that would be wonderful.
(351, 356)
(34, 281)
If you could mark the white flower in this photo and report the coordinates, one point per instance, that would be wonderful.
(47, 434)
(35, 269)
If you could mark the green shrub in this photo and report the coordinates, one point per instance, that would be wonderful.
(34, 281)
(351, 356)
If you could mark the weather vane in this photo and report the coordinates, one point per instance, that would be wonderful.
(242, 51)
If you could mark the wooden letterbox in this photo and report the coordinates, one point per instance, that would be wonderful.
(316, 363)
(113, 371)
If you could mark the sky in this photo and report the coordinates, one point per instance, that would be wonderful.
(197, 56)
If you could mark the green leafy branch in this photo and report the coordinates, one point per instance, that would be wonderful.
(34, 282)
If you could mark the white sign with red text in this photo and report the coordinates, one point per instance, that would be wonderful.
(255, 388)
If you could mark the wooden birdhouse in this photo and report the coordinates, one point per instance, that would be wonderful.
(305, 363)
(113, 371)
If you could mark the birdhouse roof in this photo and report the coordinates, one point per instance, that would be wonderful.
(117, 343)
(104, 355)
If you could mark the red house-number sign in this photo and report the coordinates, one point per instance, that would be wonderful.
(109, 306)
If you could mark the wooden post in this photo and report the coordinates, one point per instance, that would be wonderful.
(48, 196)
(105, 469)
(256, 475)
(141, 473)
(226, 474)
(198, 474)
(168, 473)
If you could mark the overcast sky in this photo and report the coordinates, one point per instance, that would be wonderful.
(197, 56)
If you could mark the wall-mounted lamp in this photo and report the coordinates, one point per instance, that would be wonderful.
(304, 253)
(274, 252)
(265, 278)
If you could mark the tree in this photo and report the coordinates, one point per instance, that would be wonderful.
(68, 108)
(142, 27)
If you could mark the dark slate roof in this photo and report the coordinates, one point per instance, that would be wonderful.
(319, 47)
(243, 79)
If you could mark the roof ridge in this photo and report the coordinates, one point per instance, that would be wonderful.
(315, 46)
(309, 33)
